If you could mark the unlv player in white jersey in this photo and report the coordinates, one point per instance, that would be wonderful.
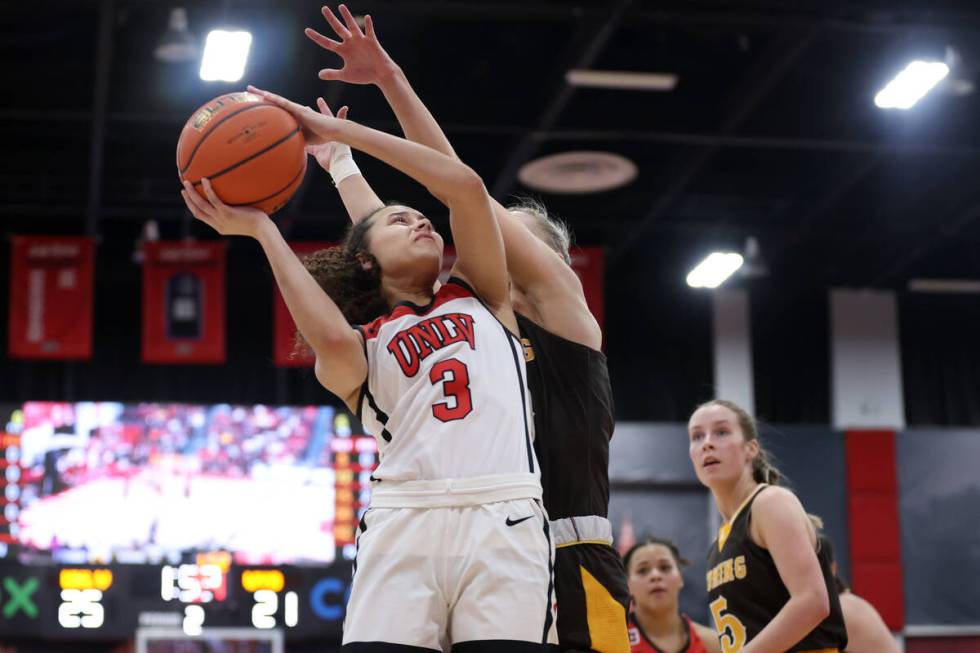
(455, 550)
(567, 373)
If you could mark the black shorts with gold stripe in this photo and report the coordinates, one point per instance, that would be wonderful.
(590, 587)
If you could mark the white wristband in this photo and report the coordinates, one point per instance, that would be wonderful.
(342, 163)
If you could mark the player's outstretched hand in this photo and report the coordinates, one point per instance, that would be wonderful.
(326, 153)
(365, 61)
(226, 220)
(318, 128)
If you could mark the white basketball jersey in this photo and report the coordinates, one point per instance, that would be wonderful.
(446, 392)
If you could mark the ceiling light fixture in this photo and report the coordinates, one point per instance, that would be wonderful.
(578, 172)
(176, 45)
(946, 286)
(714, 270)
(225, 54)
(911, 85)
(622, 80)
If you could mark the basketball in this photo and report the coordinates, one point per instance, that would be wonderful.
(252, 151)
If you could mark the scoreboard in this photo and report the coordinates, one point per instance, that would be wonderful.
(353, 459)
(112, 601)
(10, 488)
(117, 517)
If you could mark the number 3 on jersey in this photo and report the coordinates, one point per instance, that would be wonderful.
(455, 379)
(731, 631)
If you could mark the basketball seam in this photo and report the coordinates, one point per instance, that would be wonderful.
(250, 157)
(190, 160)
(262, 199)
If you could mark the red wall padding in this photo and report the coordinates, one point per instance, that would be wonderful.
(943, 645)
(876, 553)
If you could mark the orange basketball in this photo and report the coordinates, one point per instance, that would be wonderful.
(252, 151)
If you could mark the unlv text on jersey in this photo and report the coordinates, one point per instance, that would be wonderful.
(413, 345)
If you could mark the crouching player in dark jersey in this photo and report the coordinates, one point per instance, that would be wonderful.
(770, 588)
(567, 373)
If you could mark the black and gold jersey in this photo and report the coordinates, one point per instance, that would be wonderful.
(573, 421)
(745, 591)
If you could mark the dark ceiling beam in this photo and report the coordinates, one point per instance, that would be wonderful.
(806, 225)
(940, 236)
(870, 21)
(100, 104)
(707, 140)
(775, 63)
(933, 207)
(581, 58)
(780, 253)
(178, 119)
(797, 274)
(693, 139)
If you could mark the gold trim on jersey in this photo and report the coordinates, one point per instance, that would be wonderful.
(605, 616)
(726, 529)
(577, 542)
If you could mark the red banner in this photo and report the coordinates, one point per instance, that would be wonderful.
(51, 297)
(184, 302)
(284, 351)
(588, 264)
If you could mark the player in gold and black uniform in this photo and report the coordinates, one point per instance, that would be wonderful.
(567, 373)
(573, 420)
(770, 589)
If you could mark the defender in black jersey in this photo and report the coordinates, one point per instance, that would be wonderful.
(745, 591)
(573, 419)
(767, 579)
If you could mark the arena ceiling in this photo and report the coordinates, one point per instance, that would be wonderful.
(770, 132)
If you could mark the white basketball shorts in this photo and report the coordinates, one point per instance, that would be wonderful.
(463, 579)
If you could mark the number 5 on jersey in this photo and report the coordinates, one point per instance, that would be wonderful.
(731, 631)
(455, 379)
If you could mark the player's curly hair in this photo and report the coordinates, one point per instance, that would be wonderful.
(342, 275)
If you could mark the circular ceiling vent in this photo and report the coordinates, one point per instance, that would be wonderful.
(577, 172)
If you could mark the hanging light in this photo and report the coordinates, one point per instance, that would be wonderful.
(176, 45)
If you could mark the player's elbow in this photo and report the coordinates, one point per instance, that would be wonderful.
(327, 343)
(819, 604)
(466, 184)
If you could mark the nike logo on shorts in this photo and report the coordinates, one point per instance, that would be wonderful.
(514, 522)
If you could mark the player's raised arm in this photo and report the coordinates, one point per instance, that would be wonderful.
(341, 366)
(479, 248)
(550, 285)
(366, 62)
(337, 160)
